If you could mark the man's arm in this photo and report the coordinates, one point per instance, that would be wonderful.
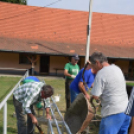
(34, 120)
(66, 73)
(98, 88)
(27, 110)
(47, 108)
(83, 90)
(95, 97)
(48, 116)
(29, 113)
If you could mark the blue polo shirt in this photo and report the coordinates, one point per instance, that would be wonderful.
(89, 79)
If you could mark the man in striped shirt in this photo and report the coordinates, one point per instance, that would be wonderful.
(23, 98)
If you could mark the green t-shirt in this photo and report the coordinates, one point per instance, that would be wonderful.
(72, 69)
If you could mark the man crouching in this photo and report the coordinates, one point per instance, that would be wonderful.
(23, 98)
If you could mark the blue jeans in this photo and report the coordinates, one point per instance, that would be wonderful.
(115, 124)
(23, 126)
(73, 95)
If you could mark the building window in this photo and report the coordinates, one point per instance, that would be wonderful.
(23, 59)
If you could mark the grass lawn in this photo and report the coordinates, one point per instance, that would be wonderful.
(130, 83)
(7, 83)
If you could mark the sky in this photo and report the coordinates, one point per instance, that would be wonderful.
(103, 6)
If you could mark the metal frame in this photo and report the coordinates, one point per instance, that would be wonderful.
(60, 125)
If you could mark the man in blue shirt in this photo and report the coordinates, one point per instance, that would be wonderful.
(77, 85)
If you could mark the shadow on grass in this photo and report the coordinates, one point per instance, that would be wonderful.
(10, 102)
(10, 130)
(62, 111)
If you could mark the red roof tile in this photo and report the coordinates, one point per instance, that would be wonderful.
(57, 29)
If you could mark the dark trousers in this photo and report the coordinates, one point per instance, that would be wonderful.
(24, 127)
(67, 93)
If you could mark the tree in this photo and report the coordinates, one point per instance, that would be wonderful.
(22, 2)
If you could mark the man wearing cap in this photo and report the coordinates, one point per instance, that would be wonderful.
(110, 88)
(71, 69)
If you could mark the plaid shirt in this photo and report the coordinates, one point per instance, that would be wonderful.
(29, 94)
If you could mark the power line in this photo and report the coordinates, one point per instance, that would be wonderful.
(32, 10)
(53, 3)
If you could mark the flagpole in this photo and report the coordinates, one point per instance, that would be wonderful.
(88, 31)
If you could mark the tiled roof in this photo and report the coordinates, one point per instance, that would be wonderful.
(57, 31)
(39, 47)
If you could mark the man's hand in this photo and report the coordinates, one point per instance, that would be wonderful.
(87, 96)
(83, 90)
(73, 76)
(67, 74)
(96, 98)
(34, 120)
(48, 116)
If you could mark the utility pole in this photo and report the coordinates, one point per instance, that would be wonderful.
(88, 31)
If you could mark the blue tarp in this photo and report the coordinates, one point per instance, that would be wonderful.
(30, 79)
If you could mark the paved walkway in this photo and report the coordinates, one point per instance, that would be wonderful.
(130, 80)
(40, 77)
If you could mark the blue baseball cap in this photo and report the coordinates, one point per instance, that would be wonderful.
(76, 56)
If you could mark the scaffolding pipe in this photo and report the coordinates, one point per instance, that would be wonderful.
(56, 123)
(50, 127)
(66, 126)
(41, 119)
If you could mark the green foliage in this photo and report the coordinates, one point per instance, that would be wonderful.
(22, 2)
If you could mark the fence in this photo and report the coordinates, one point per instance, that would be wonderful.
(3, 104)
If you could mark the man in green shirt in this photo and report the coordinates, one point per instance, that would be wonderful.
(70, 72)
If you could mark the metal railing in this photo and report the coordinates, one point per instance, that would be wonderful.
(3, 104)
